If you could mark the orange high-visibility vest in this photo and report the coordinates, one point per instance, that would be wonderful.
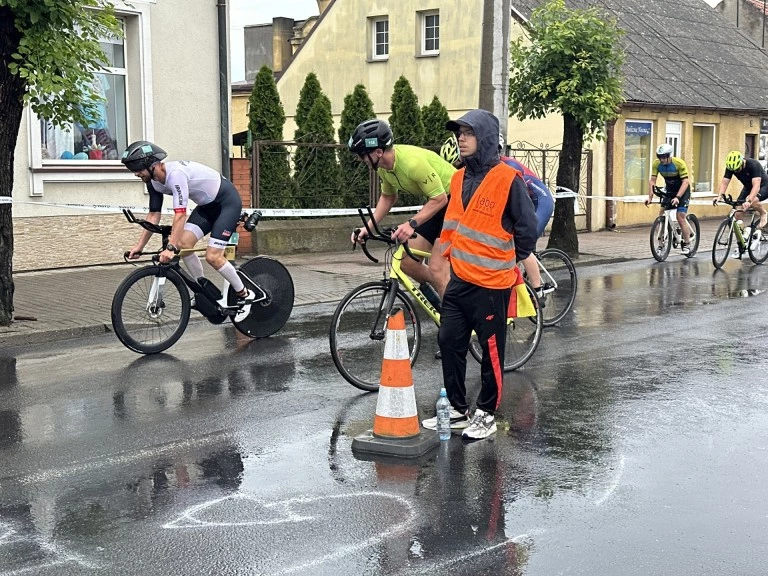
(480, 250)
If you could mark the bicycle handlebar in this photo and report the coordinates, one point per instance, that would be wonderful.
(728, 199)
(380, 235)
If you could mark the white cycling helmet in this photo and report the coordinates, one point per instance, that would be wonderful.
(502, 143)
(664, 150)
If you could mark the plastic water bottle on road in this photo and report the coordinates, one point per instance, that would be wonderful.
(443, 416)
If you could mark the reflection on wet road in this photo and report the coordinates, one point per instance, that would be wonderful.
(633, 443)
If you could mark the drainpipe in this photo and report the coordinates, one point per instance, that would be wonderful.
(224, 87)
(610, 208)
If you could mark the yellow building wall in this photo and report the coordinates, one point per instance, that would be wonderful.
(729, 134)
(338, 50)
(239, 113)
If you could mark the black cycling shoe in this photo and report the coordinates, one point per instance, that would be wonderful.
(438, 355)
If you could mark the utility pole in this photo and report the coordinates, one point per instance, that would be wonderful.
(494, 60)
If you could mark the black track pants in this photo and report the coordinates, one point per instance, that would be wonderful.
(467, 307)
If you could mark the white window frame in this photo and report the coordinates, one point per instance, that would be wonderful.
(714, 181)
(424, 16)
(374, 38)
(105, 170)
(674, 136)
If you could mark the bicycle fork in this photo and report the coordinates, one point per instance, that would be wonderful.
(379, 328)
(155, 304)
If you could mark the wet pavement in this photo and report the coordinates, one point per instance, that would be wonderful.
(634, 442)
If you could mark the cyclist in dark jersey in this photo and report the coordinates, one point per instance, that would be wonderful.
(217, 212)
(675, 174)
(750, 173)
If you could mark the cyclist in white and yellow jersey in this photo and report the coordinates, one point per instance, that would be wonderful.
(418, 171)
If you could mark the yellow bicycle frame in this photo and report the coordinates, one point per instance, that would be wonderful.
(396, 273)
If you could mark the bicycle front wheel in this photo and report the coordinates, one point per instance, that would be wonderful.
(661, 239)
(558, 279)
(357, 333)
(150, 311)
(721, 248)
(523, 336)
(758, 247)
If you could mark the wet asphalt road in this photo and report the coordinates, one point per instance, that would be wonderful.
(635, 442)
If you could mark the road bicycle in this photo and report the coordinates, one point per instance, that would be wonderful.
(152, 305)
(359, 323)
(751, 239)
(666, 232)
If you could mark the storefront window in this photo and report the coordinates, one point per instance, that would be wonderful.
(637, 154)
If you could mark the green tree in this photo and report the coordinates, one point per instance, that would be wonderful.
(406, 122)
(309, 93)
(435, 116)
(317, 172)
(354, 174)
(266, 118)
(49, 52)
(572, 65)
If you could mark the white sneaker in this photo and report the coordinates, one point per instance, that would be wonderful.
(685, 249)
(245, 311)
(735, 255)
(459, 421)
(481, 426)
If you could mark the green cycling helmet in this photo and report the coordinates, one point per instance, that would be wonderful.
(734, 161)
(449, 151)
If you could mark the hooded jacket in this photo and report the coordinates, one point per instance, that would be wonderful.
(519, 217)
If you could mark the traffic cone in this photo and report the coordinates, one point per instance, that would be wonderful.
(396, 430)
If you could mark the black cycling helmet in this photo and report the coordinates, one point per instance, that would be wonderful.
(370, 135)
(141, 155)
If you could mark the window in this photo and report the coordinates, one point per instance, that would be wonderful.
(105, 134)
(674, 134)
(380, 34)
(430, 33)
(702, 166)
(637, 154)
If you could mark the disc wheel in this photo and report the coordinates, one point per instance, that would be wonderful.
(271, 314)
(150, 311)
(357, 331)
(721, 247)
(661, 239)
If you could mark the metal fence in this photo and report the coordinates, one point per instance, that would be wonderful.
(344, 182)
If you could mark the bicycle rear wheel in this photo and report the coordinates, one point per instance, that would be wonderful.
(150, 311)
(721, 247)
(661, 239)
(558, 278)
(270, 315)
(693, 224)
(523, 336)
(357, 333)
(758, 248)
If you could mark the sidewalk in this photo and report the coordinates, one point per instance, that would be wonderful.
(71, 303)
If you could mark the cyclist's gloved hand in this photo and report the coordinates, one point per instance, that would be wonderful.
(359, 236)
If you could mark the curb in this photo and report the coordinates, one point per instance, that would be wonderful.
(11, 340)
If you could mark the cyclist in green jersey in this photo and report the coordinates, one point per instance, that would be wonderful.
(415, 170)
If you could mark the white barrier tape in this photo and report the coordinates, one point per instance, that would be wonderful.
(308, 212)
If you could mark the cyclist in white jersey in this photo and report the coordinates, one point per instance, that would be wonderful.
(217, 212)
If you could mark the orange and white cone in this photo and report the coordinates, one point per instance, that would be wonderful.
(396, 415)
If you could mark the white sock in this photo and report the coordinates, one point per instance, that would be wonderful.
(194, 265)
(231, 275)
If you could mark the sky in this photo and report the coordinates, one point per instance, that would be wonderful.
(246, 12)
